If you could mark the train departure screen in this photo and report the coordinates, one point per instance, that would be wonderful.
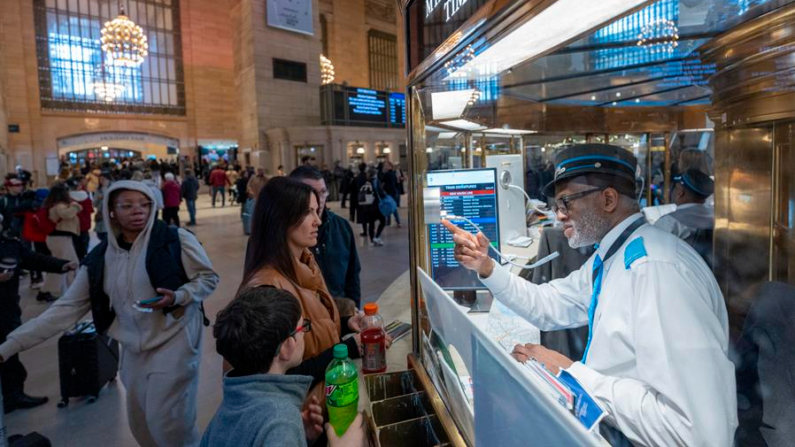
(471, 194)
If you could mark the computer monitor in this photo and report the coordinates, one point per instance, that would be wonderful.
(471, 193)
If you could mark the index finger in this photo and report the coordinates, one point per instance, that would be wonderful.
(451, 227)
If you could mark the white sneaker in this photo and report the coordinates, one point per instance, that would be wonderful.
(378, 242)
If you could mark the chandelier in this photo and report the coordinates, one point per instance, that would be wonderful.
(326, 70)
(659, 36)
(105, 86)
(124, 42)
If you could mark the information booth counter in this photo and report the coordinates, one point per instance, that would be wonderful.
(499, 86)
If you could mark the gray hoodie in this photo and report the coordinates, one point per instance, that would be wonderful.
(126, 282)
(259, 410)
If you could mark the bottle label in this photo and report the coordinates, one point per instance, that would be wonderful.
(374, 358)
(342, 395)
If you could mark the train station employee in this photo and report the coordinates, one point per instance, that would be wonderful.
(657, 351)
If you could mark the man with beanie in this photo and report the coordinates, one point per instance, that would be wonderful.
(657, 353)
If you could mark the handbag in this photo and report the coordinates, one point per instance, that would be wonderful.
(386, 204)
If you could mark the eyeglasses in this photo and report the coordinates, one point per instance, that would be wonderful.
(306, 327)
(127, 206)
(562, 204)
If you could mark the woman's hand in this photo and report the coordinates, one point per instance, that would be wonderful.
(356, 322)
(167, 300)
(70, 266)
(6, 276)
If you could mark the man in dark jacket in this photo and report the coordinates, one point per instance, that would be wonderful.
(15, 256)
(190, 192)
(335, 251)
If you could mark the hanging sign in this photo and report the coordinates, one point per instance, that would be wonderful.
(291, 15)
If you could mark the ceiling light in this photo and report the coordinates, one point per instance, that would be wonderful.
(360, 150)
(124, 42)
(326, 70)
(429, 150)
(446, 105)
(593, 98)
(463, 149)
(104, 148)
(447, 135)
(561, 22)
(463, 124)
(387, 150)
(503, 131)
(637, 100)
(615, 103)
(659, 36)
(618, 94)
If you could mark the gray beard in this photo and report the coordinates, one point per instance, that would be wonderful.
(588, 230)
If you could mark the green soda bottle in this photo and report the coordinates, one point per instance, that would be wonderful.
(342, 390)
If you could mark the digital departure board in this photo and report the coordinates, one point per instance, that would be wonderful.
(397, 109)
(471, 194)
(367, 105)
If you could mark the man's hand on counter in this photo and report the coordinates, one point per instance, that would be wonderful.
(552, 360)
(471, 251)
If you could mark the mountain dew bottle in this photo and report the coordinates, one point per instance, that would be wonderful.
(342, 390)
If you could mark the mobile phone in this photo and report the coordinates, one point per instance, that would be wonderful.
(150, 301)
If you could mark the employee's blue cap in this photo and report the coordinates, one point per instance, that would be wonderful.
(696, 181)
(593, 158)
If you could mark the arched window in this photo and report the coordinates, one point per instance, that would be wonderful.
(71, 61)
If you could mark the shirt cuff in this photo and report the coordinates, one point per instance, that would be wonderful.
(498, 281)
(585, 375)
(9, 348)
(180, 298)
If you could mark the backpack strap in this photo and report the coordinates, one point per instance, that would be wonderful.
(175, 250)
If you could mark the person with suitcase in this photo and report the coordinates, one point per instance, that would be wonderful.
(15, 256)
(153, 278)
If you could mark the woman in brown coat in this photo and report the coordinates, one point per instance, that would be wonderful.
(285, 225)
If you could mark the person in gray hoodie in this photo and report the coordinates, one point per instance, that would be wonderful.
(261, 334)
(161, 345)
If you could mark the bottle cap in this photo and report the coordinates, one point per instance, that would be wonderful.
(340, 351)
(370, 309)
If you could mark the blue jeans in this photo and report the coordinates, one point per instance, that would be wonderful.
(191, 211)
(223, 194)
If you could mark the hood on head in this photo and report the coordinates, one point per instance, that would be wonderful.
(129, 185)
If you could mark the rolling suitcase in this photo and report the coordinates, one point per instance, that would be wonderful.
(87, 361)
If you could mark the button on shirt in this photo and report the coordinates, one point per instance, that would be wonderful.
(658, 357)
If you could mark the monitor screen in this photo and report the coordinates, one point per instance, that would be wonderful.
(472, 194)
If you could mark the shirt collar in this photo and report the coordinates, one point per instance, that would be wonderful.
(613, 234)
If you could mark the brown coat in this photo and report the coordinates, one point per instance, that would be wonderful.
(316, 303)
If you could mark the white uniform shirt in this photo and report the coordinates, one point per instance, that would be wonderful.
(658, 357)
(687, 218)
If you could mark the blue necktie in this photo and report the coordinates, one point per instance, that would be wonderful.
(598, 270)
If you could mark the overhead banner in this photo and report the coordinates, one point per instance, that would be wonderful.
(291, 15)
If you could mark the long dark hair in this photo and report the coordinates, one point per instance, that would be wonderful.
(281, 205)
(59, 193)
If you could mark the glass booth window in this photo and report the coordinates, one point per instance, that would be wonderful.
(71, 61)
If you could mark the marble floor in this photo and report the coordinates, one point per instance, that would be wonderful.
(104, 423)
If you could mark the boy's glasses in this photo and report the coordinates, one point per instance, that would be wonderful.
(306, 327)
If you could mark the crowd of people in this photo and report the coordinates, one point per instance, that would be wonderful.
(301, 266)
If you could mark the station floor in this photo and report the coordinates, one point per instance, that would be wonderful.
(104, 423)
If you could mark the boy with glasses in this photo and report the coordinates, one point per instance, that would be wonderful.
(261, 334)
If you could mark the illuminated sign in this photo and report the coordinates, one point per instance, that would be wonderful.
(450, 7)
